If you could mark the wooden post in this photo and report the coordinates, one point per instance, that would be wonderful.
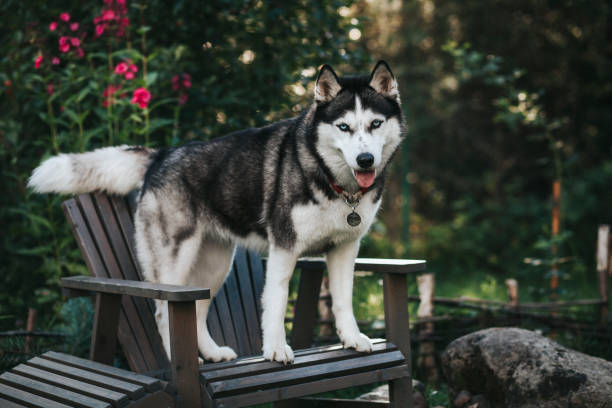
(106, 323)
(603, 267)
(556, 225)
(30, 324)
(184, 353)
(398, 332)
(427, 348)
(512, 286)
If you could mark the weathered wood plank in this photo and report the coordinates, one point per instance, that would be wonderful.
(249, 302)
(142, 321)
(225, 318)
(291, 375)
(117, 399)
(52, 392)
(132, 390)
(150, 383)
(174, 293)
(4, 403)
(83, 237)
(243, 370)
(302, 332)
(257, 277)
(314, 387)
(237, 314)
(398, 331)
(184, 353)
(29, 400)
(105, 328)
(371, 265)
(297, 353)
(214, 324)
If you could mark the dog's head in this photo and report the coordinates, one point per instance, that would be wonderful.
(358, 124)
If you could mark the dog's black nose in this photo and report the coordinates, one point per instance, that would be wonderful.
(365, 160)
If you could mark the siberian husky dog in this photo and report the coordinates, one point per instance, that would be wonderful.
(307, 185)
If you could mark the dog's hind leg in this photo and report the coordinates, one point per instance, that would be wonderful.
(175, 265)
(210, 271)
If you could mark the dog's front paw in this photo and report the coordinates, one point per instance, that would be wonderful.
(358, 341)
(281, 353)
(220, 354)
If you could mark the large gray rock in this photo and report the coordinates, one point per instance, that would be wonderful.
(518, 368)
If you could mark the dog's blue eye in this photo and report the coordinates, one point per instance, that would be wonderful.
(376, 123)
(344, 127)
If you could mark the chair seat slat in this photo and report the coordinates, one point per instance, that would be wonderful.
(297, 375)
(52, 392)
(118, 399)
(244, 370)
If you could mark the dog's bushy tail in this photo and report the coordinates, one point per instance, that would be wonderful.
(115, 170)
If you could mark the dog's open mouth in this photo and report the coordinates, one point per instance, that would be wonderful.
(365, 178)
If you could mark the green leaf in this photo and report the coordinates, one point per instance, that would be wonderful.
(151, 78)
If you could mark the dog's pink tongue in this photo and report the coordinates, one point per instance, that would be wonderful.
(365, 178)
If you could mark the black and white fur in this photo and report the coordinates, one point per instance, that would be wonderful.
(267, 189)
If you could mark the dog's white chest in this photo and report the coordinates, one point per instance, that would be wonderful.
(325, 223)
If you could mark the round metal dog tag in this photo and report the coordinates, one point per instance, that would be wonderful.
(353, 219)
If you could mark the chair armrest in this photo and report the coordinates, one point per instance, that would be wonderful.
(400, 266)
(173, 293)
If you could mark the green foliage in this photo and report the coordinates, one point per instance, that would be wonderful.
(248, 62)
(495, 113)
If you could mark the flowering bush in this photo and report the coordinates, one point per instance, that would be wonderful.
(97, 63)
(86, 74)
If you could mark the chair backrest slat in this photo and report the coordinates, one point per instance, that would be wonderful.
(127, 270)
(237, 313)
(225, 317)
(214, 324)
(93, 258)
(256, 273)
(100, 222)
(249, 301)
(104, 228)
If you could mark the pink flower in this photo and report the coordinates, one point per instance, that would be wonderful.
(175, 83)
(100, 29)
(187, 81)
(121, 68)
(141, 97)
(121, 2)
(80, 53)
(64, 48)
(108, 15)
(133, 67)
(74, 26)
(53, 26)
(50, 89)
(183, 99)
(75, 41)
(108, 93)
(63, 40)
(38, 61)
(129, 75)
(55, 61)
(65, 17)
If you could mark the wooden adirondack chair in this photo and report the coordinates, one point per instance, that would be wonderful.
(103, 227)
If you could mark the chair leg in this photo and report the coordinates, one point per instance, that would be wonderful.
(398, 332)
(184, 353)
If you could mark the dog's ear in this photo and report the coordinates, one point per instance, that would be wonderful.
(383, 81)
(327, 85)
